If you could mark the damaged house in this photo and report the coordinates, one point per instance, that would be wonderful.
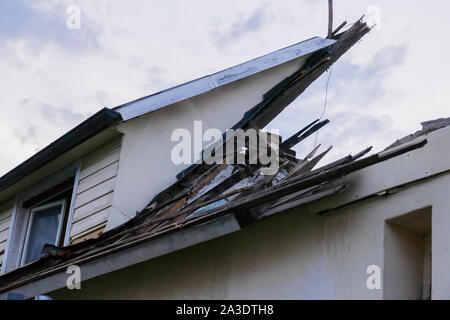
(107, 197)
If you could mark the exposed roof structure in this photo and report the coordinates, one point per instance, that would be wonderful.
(207, 192)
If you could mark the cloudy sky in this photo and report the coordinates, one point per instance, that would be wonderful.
(53, 77)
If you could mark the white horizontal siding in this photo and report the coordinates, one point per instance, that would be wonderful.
(4, 224)
(4, 235)
(94, 193)
(92, 207)
(92, 166)
(88, 225)
(95, 190)
(5, 221)
(99, 177)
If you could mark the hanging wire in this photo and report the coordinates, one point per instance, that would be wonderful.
(325, 103)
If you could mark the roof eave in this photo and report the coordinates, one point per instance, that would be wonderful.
(87, 129)
(131, 255)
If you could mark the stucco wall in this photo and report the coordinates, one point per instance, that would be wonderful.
(297, 255)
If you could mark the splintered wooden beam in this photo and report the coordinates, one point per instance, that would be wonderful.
(307, 165)
(304, 199)
(315, 66)
(285, 92)
(343, 24)
(276, 99)
(362, 153)
(337, 163)
(302, 182)
(303, 134)
(295, 184)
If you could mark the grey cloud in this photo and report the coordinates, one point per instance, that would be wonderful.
(385, 59)
(18, 19)
(350, 126)
(135, 61)
(361, 130)
(156, 80)
(29, 136)
(102, 98)
(240, 28)
(362, 86)
(60, 116)
(354, 85)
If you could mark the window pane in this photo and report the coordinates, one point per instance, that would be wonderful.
(44, 229)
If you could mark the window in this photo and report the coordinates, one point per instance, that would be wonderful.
(44, 227)
(42, 215)
(47, 220)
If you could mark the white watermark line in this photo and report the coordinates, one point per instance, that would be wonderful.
(74, 280)
(255, 145)
(73, 21)
(374, 280)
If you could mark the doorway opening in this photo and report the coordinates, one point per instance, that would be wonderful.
(407, 256)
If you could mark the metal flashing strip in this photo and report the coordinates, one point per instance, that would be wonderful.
(202, 85)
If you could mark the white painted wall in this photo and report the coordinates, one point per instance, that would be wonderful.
(298, 255)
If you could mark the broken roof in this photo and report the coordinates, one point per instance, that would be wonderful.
(221, 190)
(206, 193)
